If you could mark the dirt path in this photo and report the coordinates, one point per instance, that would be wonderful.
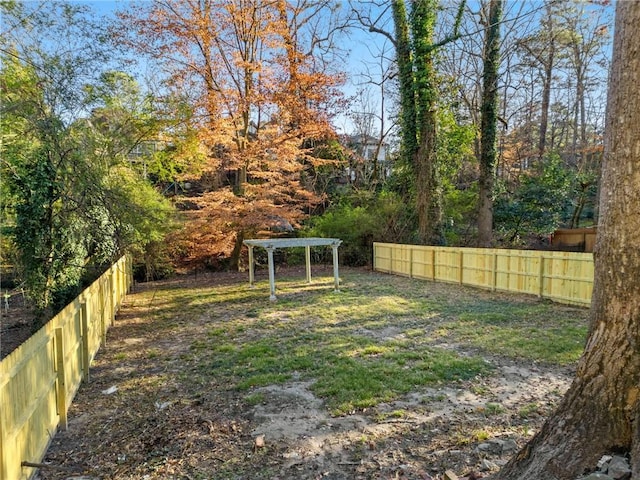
(422, 434)
(136, 419)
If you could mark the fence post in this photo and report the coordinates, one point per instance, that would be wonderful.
(119, 272)
(118, 281)
(410, 261)
(541, 277)
(110, 293)
(433, 264)
(103, 327)
(114, 295)
(84, 322)
(129, 273)
(375, 255)
(125, 278)
(102, 301)
(391, 259)
(460, 267)
(61, 393)
(494, 272)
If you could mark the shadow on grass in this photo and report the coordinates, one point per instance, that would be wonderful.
(378, 338)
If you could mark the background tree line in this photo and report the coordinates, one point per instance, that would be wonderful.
(491, 113)
(518, 112)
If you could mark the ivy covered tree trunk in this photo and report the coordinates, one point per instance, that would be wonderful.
(489, 110)
(601, 411)
(423, 21)
(414, 54)
(408, 123)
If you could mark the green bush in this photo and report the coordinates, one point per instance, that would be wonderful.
(460, 215)
(537, 205)
(354, 226)
(361, 220)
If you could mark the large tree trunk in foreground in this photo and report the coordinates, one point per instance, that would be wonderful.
(601, 411)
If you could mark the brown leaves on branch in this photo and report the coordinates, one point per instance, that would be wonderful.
(258, 80)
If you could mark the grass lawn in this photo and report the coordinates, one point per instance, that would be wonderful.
(378, 338)
(197, 341)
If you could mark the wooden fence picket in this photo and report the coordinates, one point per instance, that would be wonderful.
(39, 379)
(565, 277)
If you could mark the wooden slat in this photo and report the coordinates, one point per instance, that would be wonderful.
(39, 379)
(565, 277)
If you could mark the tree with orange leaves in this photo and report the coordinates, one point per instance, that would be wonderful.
(258, 76)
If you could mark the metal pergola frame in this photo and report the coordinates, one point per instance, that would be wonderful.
(274, 243)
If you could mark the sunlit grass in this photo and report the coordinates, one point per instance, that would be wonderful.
(377, 339)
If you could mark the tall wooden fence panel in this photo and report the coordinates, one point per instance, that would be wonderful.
(565, 277)
(39, 379)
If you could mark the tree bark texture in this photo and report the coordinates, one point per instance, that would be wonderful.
(423, 21)
(489, 109)
(601, 411)
(427, 191)
(408, 124)
(548, 64)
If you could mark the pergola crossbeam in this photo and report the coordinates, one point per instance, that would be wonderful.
(272, 244)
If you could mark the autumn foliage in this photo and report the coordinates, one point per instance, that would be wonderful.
(262, 99)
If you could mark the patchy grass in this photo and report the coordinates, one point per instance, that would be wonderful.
(541, 331)
(529, 410)
(492, 409)
(360, 346)
(202, 365)
(378, 338)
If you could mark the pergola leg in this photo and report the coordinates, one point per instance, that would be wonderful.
(307, 252)
(336, 276)
(251, 278)
(272, 276)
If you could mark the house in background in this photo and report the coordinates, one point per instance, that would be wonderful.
(369, 160)
(139, 155)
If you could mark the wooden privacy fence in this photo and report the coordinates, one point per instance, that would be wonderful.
(565, 277)
(39, 379)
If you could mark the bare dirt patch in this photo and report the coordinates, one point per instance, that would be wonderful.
(421, 435)
(140, 416)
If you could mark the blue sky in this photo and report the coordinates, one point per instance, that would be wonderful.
(361, 46)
